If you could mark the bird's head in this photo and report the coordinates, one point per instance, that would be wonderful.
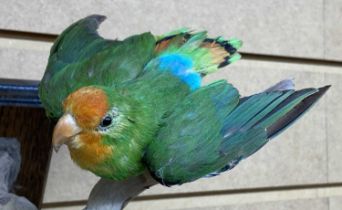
(104, 130)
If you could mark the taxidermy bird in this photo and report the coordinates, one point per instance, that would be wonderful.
(125, 107)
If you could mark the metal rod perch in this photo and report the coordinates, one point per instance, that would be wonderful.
(115, 195)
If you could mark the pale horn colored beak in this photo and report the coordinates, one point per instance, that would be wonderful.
(64, 131)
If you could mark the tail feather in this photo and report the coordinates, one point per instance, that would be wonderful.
(295, 113)
(172, 39)
(224, 51)
(190, 56)
(284, 107)
(208, 54)
(252, 109)
(269, 112)
(286, 84)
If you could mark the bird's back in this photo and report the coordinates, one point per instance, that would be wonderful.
(181, 59)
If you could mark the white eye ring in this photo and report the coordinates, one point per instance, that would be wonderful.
(109, 120)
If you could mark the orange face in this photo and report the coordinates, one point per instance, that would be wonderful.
(88, 105)
(83, 111)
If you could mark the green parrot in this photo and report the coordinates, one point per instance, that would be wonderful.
(124, 107)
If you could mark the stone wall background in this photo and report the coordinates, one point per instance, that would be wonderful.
(301, 169)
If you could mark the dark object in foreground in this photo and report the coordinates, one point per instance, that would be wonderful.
(22, 117)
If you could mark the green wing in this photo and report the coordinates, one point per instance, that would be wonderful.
(80, 57)
(192, 132)
(212, 130)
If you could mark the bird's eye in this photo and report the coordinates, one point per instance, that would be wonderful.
(106, 121)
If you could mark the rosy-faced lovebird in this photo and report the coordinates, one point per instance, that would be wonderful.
(124, 107)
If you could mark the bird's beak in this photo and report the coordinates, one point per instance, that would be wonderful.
(64, 131)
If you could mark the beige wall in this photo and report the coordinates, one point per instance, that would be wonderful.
(308, 153)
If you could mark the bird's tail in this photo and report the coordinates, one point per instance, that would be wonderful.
(290, 110)
(207, 54)
(272, 110)
(261, 117)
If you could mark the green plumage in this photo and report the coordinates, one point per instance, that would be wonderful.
(80, 57)
(168, 123)
(197, 121)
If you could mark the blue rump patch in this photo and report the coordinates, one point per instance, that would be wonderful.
(181, 67)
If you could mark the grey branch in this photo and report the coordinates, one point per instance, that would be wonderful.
(114, 195)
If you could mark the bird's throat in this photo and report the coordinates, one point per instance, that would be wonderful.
(89, 152)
